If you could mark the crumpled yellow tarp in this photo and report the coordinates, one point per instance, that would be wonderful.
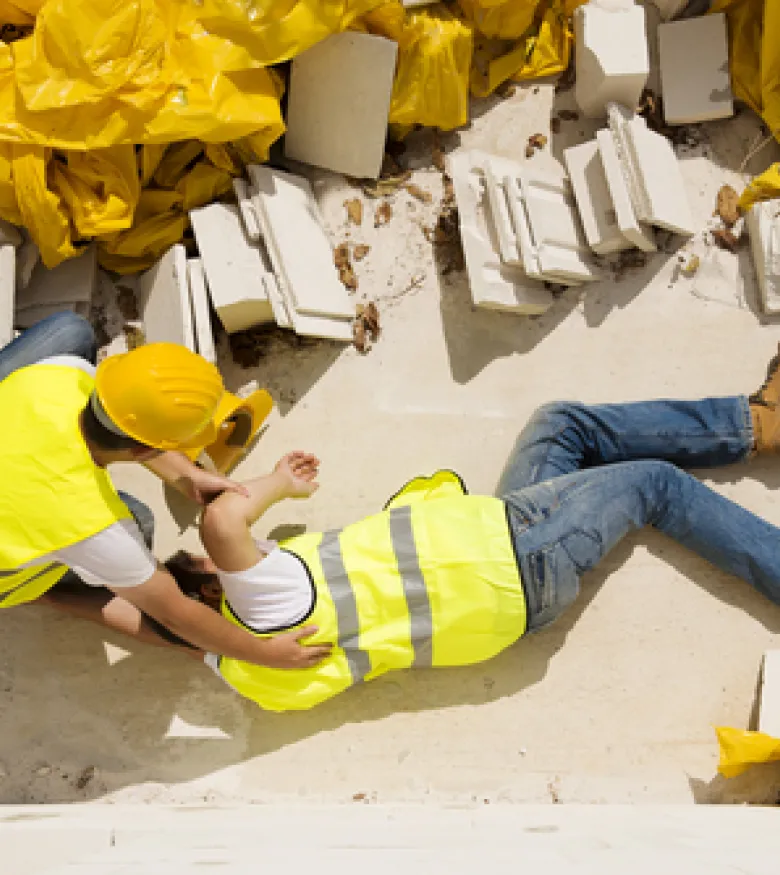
(762, 188)
(740, 749)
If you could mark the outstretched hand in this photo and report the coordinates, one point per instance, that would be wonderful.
(299, 472)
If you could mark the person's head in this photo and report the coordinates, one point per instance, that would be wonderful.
(155, 398)
(196, 577)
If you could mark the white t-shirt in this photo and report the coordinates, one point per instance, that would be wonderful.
(116, 556)
(272, 595)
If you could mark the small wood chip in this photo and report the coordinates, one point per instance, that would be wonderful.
(360, 251)
(420, 193)
(360, 339)
(724, 239)
(727, 207)
(383, 214)
(691, 267)
(354, 210)
(529, 151)
(341, 255)
(371, 320)
(538, 141)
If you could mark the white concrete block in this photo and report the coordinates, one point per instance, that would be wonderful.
(763, 223)
(670, 8)
(494, 284)
(769, 711)
(289, 216)
(611, 56)
(201, 318)
(594, 201)
(695, 80)
(234, 268)
(339, 100)
(164, 300)
(503, 225)
(69, 286)
(247, 209)
(552, 242)
(7, 292)
(633, 230)
(652, 172)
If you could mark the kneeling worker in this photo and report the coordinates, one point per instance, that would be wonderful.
(63, 422)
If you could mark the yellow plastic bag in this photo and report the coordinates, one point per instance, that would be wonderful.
(762, 188)
(202, 185)
(99, 189)
(431, 84)
(503, 19)
(740, 749)
(19, 12)
(754, 55)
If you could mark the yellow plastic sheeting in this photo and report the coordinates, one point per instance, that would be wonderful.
(19, 12)
(272, 31)
(762, 188)
(503, 19)
(740, 749)
(754, 55)
(97, 73)
(544, 51)
(139, 248)
(431, 84)
(99, 189)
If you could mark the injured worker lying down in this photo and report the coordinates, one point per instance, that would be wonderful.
(444, 578)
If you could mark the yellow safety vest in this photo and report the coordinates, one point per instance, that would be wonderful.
(431, 581)
(52, 493)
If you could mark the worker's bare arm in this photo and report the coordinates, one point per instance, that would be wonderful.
(225, 523)
(198, 485)
(162, 599)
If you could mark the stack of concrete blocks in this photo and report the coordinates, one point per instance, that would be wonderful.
(266, 259)
(10, 238)
(69, 286)
(612, 61)
(694, 59)
(520, 230)
(626, 181)
(339, 102)
(763, 223)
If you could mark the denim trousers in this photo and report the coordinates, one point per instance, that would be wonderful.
(66, 334)
(581, 477)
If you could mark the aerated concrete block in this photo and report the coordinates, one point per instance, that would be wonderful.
(652, 172)
(611, 55)
(695, 81)
(631, 228)
(234, 267)
(339, 100)
(763, 223)
(69, 286)
(594, 201)
(247, 209)
(201, 319)
(301, 252)
(769, 711)
(494, 284)
(164, 300)
(7, 292)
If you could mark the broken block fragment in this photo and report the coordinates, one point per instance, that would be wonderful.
(694, 57)
(339, 101)
(164, 300)
(234, 267)
(763, 224)
(201, 319)
(611, 56)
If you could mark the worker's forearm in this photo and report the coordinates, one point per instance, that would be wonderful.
(172, 467)
(261, 494)
(209, 631)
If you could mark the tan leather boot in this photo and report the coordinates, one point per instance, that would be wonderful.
(766, 428)
(769, 394)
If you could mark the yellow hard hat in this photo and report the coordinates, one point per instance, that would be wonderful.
(161, 394)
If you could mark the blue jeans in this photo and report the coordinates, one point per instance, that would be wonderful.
(582, 477)
(65, 334)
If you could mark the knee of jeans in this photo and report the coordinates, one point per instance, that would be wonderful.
(142, 515)
(553, 415)
(78, 335)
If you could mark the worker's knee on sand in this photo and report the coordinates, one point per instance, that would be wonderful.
(143, 516)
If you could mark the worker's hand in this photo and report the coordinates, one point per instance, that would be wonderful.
(286, 651)
(298, 471)
(202, 486)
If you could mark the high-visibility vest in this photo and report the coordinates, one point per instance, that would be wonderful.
(431, 581)
(52, 494)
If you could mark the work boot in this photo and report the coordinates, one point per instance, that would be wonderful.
(765, 410)
(769, 394)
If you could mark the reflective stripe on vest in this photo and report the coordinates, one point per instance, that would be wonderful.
(52, 495)
(425, 583)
